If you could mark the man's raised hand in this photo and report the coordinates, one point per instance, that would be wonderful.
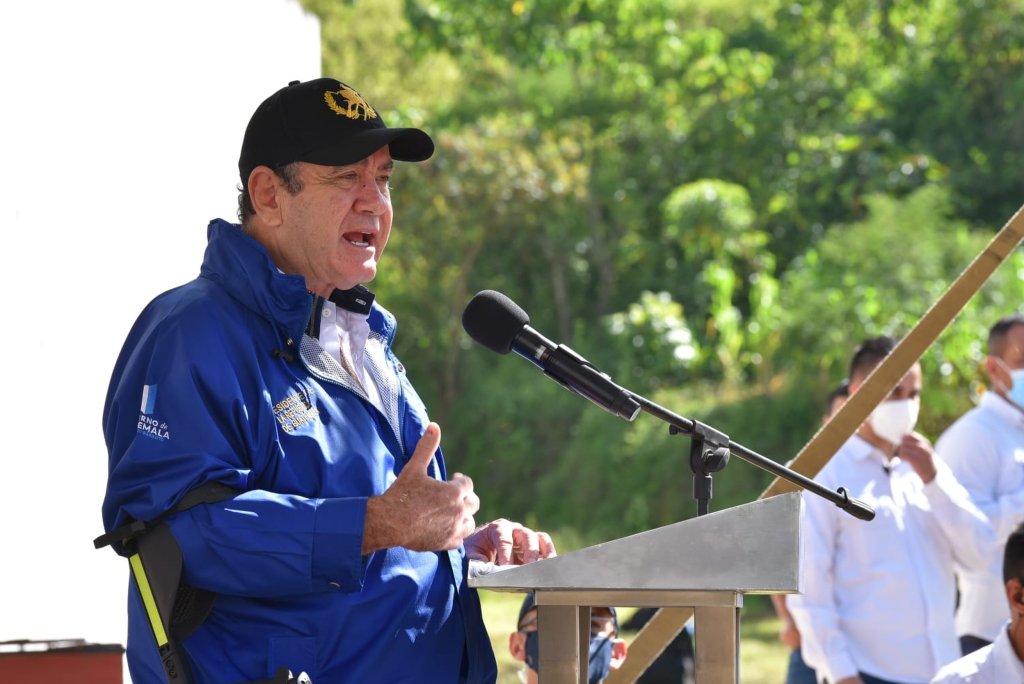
(418, 511)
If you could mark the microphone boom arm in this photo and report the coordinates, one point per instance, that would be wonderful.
(498, 323)
(840, 497)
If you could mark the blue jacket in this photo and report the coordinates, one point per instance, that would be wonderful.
(202, 392)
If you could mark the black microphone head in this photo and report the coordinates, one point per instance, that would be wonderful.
(494, 320)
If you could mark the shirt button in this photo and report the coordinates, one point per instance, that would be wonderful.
(326, 313)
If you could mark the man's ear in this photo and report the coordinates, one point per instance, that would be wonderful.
(619, 650)
(263, 192)
(517, 646)
(1015, 596)
(995, 371)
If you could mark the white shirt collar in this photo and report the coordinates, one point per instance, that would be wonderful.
(860, 449)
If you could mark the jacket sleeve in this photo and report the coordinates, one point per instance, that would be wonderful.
(186, 407)
(266, 544)
(966, 529)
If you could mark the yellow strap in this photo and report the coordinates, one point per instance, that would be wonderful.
(147, 600)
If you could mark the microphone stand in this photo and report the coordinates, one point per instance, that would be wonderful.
(709, 453)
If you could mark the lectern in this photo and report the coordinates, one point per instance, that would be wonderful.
(707, 563)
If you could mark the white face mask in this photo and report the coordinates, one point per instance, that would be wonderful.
(892, 419)
(1015, 392)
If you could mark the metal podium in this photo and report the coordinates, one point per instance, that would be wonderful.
(707, 563)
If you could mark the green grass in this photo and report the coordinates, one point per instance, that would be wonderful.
(762, 657)
(501, 609)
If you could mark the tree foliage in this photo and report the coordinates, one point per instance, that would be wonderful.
(713, 204)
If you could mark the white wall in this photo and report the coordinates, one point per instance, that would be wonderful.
(120, 123)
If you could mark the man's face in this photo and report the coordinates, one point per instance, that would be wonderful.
(602, 623)
(889, 422)
(1011, 358)
(909, 387)
(602, 628)
(335, 229)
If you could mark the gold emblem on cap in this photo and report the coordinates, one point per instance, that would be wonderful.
(355, 106)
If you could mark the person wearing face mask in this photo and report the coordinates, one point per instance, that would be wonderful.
(985, 450)
(797, 671)
(878, 597)
(607, 651)
(1001, 662)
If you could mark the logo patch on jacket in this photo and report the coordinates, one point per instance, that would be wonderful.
(294, 411)
(149, 425)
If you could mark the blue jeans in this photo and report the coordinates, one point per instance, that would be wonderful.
(798, 671)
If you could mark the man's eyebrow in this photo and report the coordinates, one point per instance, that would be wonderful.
(338, 171)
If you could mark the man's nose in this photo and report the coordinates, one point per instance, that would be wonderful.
(373, 197)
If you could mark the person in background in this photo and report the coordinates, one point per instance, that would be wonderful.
(342, 551)
(878, 597)
(797, 671)
(607, 651)
(1001, 662)
(985, 450)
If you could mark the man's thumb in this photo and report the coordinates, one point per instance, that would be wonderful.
(425, 449)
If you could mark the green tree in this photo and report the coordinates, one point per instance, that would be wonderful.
(714, 202)
(879, 276)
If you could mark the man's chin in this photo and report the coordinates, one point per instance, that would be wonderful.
(368, 276)
(361, 274)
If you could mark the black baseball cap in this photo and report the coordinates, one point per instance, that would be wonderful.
(323, 121)
(530, 602)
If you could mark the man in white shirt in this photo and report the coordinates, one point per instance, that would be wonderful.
(798, 672)
(878, 597)
(985, 450)
(1001, 662)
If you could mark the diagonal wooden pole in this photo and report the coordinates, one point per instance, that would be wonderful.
(664, 626)
(817, 452)
(649, 642)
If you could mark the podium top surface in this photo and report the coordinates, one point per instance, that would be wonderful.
(753, 548)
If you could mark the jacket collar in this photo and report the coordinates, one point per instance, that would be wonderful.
(243, 267)
(860, 449)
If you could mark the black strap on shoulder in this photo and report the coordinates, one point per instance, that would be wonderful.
(122, 534)
(173, 608)
(210, 492)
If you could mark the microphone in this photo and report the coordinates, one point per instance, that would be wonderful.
(496, 322)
